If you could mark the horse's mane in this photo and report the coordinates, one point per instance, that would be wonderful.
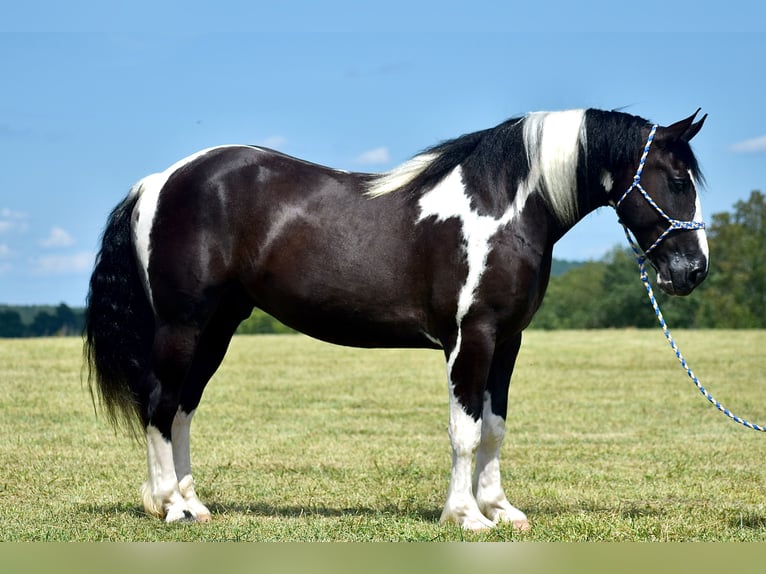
(427, 168)
(551, 151)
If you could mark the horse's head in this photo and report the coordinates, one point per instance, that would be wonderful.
(662, 209)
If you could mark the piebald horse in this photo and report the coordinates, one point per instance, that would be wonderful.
(451, 250)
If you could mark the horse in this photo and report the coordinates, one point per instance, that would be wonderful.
(451, 251)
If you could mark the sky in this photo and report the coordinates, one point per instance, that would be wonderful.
(96, 95)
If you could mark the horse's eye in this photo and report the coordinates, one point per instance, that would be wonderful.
(679, 183)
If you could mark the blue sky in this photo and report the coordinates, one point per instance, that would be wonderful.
(96, 95)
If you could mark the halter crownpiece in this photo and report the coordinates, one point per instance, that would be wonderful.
(673, 224)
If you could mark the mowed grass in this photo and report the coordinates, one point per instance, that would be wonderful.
(297, 440)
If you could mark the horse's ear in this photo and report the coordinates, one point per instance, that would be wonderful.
(685, 129)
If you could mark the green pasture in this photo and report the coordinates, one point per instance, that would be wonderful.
(297, 440)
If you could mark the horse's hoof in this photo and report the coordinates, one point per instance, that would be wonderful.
(520, 525)
(184, 515)
(203, 518)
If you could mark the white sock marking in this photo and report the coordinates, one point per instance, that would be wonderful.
(465, 434)
(162, 496)
(487, 487)
(182, 460)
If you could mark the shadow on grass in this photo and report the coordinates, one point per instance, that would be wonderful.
(222, 509)
(624, 510)
(749, 521)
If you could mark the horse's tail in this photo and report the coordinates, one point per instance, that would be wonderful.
(119, 321)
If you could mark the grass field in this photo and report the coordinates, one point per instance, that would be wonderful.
(301, 441)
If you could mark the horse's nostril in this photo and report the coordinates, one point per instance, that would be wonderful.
(697, 274)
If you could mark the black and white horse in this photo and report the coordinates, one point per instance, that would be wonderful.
(451, 250)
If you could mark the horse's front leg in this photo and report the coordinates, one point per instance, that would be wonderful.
(490, 495)
(467, 369)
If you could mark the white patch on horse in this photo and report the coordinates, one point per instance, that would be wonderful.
(161, 493)
(700, 233)
(449, 200)
(607, 180)
(552, 141)
(180, 432)
(445, 201)
(149, 189)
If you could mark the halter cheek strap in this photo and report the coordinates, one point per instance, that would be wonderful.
(673, 224)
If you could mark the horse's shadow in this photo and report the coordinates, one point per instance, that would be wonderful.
(749, 522)
(222, 509)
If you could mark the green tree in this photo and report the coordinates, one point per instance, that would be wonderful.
(572, 299)
(10, 324)
(623, 299)
(260, 322)
(735, 291)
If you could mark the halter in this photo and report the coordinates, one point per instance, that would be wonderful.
(673, 224)
(641, 260)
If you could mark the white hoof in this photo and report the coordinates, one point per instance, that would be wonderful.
(467, 518)
(172, 508)
(199, 510)
(181, 514)
(504, 512)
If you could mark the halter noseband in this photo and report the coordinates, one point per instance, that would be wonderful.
(673, 224)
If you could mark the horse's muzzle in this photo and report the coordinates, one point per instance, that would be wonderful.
(679, 275)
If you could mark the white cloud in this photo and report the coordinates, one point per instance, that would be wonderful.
(5, 251)
(275, 141)
(58, 237)
(375, 156)
(750, 146)
(63, 264)
(12, 220)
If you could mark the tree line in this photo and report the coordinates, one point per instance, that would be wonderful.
(591, 295)
(40, 321)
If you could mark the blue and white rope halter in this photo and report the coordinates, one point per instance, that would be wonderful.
(674, 224)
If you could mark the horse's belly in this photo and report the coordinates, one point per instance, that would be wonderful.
(355, 329)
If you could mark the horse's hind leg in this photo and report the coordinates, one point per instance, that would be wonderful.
(172, 355)
(210, 351)
(182, 463)
(486, 481)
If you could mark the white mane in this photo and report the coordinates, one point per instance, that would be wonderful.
(400, 176)
(552, 141)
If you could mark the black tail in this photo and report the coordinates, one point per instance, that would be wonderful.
(119, 322)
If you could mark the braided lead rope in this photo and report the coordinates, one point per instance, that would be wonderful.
(674, 224)
(640, 259)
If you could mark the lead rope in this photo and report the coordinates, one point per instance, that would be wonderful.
(641, 259)
(645, 280)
